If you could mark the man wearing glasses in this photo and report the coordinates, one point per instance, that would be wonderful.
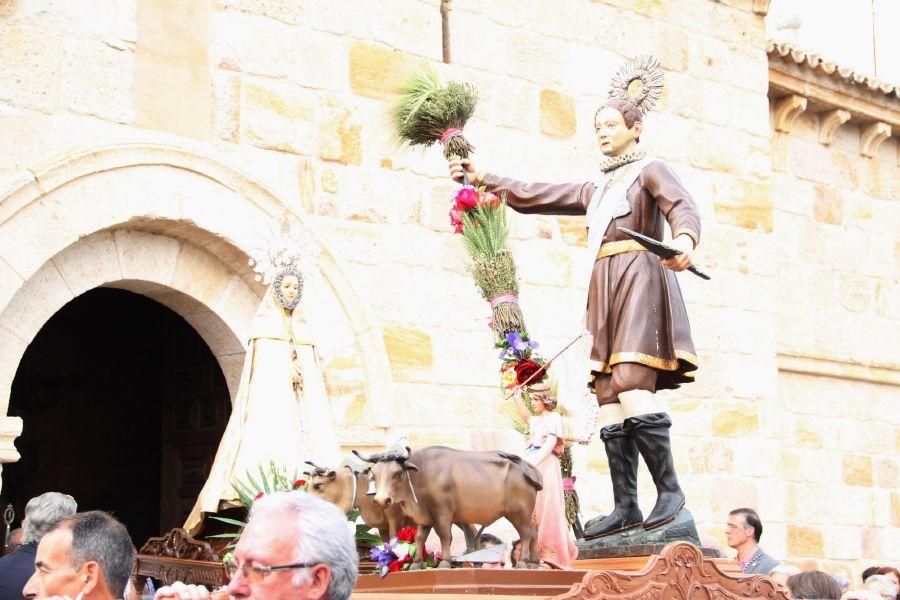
(743, 532)
(294, 546)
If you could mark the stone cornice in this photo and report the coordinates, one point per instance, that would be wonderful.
(840, 369)
(827, 86)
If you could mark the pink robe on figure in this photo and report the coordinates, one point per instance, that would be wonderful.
(554, 543)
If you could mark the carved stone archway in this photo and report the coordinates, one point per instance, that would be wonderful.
(145, 217)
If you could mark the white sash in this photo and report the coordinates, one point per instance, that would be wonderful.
(608, 202)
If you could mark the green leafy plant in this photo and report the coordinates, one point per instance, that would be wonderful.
(275, 479)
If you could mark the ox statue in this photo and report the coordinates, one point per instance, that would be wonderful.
(437, 486)
(346, 488)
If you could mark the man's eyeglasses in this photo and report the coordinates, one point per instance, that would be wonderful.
(256, 572)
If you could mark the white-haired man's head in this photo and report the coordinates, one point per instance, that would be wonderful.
(43, 512)
(294, 545)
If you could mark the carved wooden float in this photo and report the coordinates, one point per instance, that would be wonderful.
(178, 557)
(679, 572)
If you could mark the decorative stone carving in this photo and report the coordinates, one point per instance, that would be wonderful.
(871, 136)
(787, 110)
(680, 571)
(829, 123)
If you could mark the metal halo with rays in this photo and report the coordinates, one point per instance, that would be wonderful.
(286, 250)
(638, 82)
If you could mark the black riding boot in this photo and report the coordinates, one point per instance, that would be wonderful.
(622, 454)
(651, 434)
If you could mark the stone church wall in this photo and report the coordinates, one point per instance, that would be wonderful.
(296, 94)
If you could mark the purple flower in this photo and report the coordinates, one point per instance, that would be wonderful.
(382, 554)
(520, 347)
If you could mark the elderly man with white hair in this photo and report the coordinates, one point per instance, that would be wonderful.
(42, 513)
(293, 546)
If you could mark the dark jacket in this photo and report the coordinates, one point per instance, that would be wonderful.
(16, 569)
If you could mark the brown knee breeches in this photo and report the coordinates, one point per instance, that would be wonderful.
(625, 377)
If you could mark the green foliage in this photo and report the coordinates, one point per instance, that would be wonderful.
(485, 231)
(275, 479)
(364, 535)
(426, 108)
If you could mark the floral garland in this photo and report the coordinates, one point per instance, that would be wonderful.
(480, 217)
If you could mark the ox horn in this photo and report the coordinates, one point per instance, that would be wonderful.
(317, 469)
(369, 459)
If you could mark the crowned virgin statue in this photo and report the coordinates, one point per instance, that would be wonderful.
(281, 413)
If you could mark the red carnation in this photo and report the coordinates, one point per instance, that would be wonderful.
(407, 534)
(299, 483)
(394, 566)
(525, 369)
(466, 198)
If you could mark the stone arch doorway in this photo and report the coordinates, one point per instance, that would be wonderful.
(123, 406)
(175, 225)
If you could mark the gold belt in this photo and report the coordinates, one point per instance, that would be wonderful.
(613, 248)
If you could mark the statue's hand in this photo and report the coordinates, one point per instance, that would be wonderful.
(685, 244)
(458, 165)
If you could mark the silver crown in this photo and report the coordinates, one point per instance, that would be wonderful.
(287, 248)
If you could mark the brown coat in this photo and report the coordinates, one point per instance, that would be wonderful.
(634, 308)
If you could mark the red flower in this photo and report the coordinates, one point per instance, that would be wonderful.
(299, 483)
(394, 566)
(258, 496)
(488, 199)
(525, 369)
(456, 220)
(407, 534)
(466, 198)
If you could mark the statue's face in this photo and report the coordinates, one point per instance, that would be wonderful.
(290, 289)
(537, 402)
(613, 135)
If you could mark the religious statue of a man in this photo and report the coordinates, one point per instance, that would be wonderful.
(635, 312)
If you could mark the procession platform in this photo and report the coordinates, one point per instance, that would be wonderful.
(679, 571)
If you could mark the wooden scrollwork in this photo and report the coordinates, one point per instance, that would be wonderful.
(178, 557)
(178, 544)
(680, 571)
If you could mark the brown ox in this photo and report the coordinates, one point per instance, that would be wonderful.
(347, 490)
(437, 486)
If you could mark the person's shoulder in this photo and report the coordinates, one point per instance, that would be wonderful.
(768, 561)
(553, 417)
(656, 167)
(24, 554)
